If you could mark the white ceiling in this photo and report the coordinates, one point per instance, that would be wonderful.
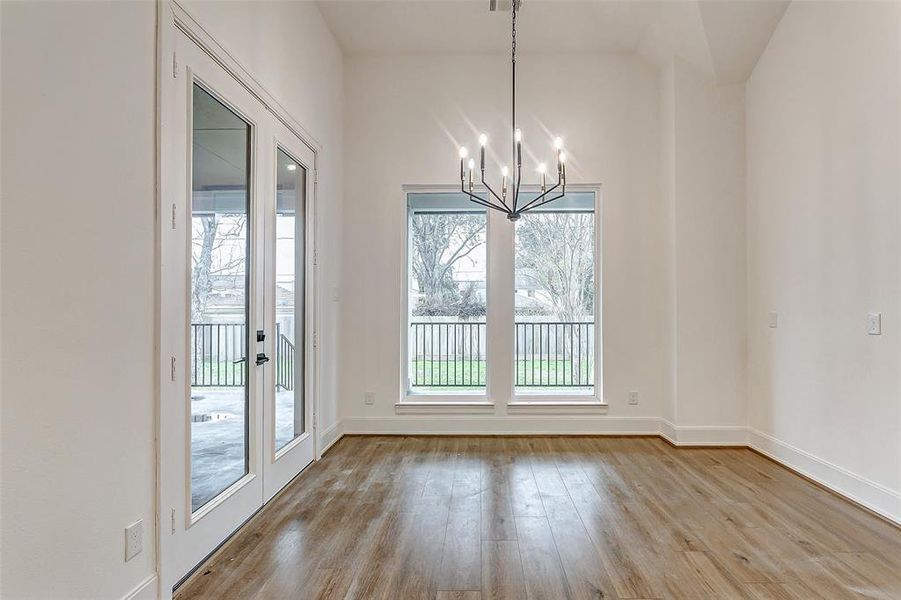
(723, 38)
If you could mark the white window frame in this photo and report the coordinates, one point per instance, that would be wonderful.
(500, 353)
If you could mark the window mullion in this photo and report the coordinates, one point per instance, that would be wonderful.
(500, 308)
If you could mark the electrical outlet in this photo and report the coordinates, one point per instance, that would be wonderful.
(134, 540)
(774, 320)
(369, 398)
(874, 324)
(633, 397)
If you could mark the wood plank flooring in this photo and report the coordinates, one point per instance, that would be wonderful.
(479, 518)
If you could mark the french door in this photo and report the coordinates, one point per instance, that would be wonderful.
(237, 308)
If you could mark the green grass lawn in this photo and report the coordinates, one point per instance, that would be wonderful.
(431, 375)
(222, 373)
(464, 374)
(559, 373)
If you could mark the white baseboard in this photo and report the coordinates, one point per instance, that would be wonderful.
(874, 496)
(727, 435)
(668, 432)
(513, 425)
(330, 436)
(704, 435)
(146, 590)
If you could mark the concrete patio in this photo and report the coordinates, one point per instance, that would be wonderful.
(217, 444)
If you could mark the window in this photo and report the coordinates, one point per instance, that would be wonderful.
(289, 299)
(548, 260)
(554, 347)
(446, 338)
(219, 281)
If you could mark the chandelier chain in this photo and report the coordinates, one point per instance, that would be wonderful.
(513, 90)
(514, 32)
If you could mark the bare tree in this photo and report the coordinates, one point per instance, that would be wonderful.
(556, 252)
(440, 241)
(217, 251)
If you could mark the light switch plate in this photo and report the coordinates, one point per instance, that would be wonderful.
(134, 540)
(774, 320)
(633, 397)
(369, 398)
(874, 324)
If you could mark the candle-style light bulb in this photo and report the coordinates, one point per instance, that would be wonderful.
(463, 152)
(504, 172)
(542, 168)
(558, 143)
(517, 135)
(483, 139)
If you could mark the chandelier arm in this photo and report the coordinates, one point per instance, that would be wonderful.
(532, 204)
(476, 199)
(493, 193)
(541, 196)
(561, 180)
(540, 204)
(481, 202)
(539, 199)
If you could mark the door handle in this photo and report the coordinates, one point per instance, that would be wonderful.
(239, 361)
(261, 358)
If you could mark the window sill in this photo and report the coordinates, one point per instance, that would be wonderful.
(564, 406)
(447, 407)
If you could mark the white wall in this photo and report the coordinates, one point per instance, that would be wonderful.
(290, 50)
(78, 299)
(78, 221)
(406, 116)
(824, 182)
(703, 166)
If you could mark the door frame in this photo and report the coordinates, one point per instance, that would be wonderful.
(172, 18)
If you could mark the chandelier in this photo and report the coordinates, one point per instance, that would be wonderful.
(508, 202)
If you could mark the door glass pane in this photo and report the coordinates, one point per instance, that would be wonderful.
(219, 308)
(289, 299)
(446, 270)
(555, 298)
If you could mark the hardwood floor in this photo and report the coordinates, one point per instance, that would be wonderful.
(477, 518)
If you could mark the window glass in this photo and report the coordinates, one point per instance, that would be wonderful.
(555, 298)
(289, 298)
(446, 337)
(219, 257)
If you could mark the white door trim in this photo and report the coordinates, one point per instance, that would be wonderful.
(184, 21)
